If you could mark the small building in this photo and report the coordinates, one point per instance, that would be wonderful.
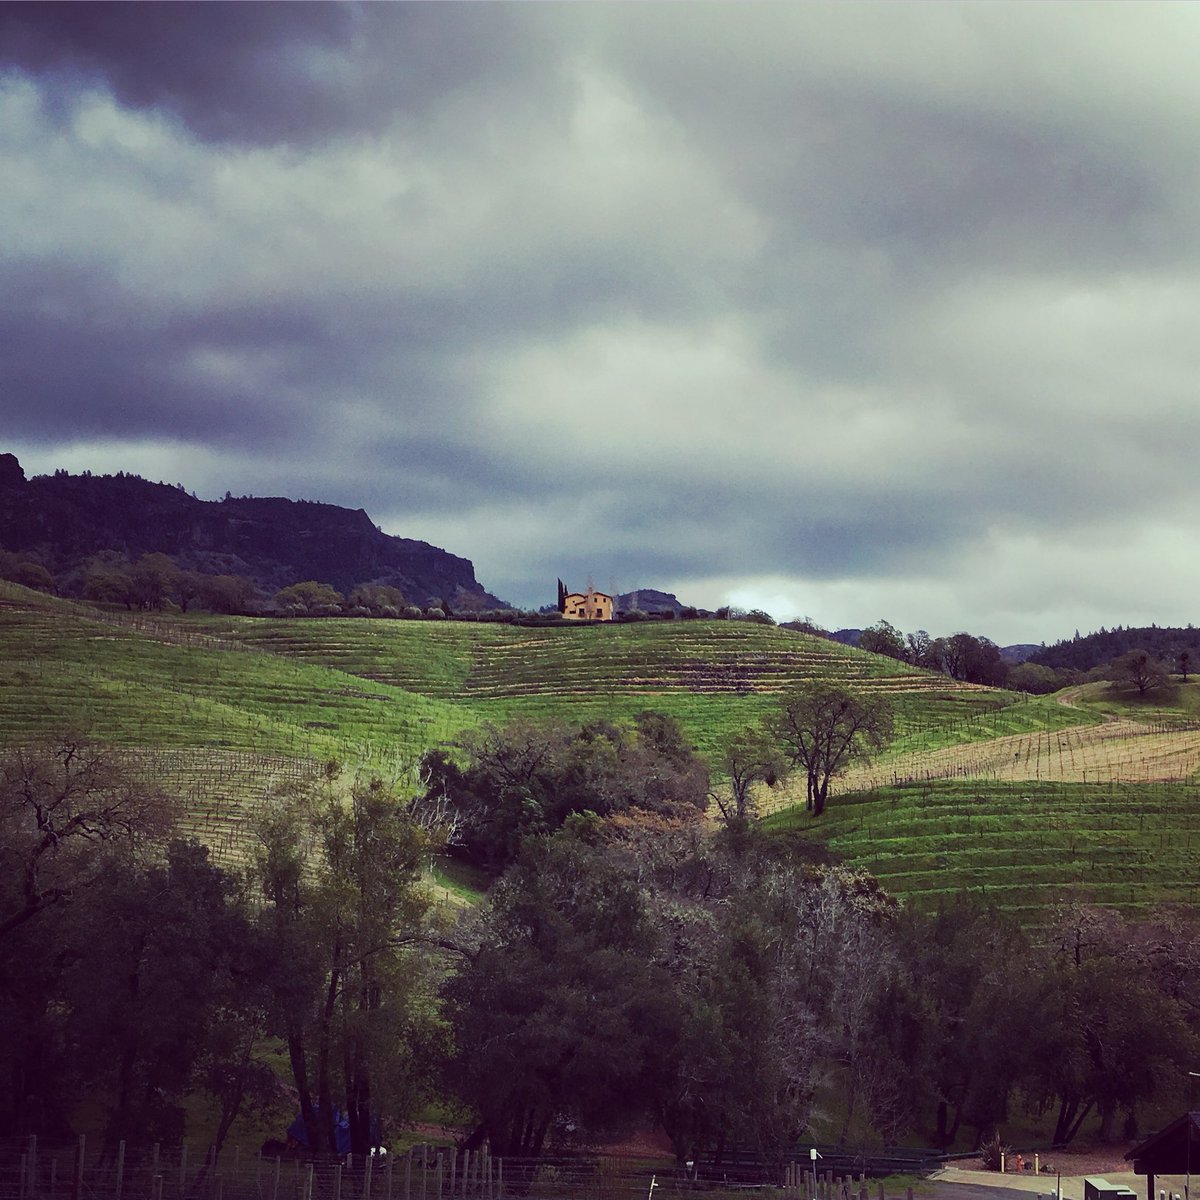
(1173, 1150)
(584, 606)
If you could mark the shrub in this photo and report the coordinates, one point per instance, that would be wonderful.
(756, 616)
(992, 1150)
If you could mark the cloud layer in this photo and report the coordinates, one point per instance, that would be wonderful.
(847, 311)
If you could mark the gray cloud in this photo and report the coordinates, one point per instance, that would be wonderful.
(851, 310)
(267, 73)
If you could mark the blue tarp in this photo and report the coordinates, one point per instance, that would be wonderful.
(341, 1131)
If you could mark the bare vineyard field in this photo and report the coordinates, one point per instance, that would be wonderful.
(714, 676)
(1105, 813)
(318, 688)
(1122, 751)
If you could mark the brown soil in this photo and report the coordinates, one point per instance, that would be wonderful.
(1084, 1160)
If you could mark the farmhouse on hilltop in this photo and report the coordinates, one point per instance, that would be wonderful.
(584, 606)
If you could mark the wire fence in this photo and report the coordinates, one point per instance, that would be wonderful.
(33, 1171)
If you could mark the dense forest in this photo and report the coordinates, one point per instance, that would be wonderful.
(631, 963)
(1164, 643)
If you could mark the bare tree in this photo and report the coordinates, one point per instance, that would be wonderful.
(749, 756)
(823, 728)
(61, 806)
(1137, 669)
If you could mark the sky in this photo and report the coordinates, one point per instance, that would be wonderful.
(843, 311)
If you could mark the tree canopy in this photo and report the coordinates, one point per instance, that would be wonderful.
(823, 727)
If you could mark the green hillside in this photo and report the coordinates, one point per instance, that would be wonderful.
(713, 675)
(219, 708)
(1023, 845)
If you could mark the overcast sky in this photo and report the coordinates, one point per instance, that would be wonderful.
(845, 311)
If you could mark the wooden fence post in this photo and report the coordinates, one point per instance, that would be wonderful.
(438, 1176)
(156, 1188)
(33, 1163)
(275, 1180)
(182, 1166)
(337, 1182)
(408, 1175)
(77, 1182)
(120, 1167)
(54, 1178)
(367, 1165)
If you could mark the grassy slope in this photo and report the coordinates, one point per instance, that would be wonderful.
(1113, 822)
(225, 705)
(1024, 845)
(714, 676)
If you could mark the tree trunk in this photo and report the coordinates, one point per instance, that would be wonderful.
(822, 793)
(296, 1056)
(326, 1123)
(1108, 1122)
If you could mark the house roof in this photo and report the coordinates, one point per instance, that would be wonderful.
(1173, 1150)
(585, 595)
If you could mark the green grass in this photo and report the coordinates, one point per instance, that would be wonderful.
(1177, 704)
(219, 708)
(943, 726)
(1022, 845)
(460, 879)
(64, 669)
(714, 676)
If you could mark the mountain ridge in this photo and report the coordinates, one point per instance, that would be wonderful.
(65, 520)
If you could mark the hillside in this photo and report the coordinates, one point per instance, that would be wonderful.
(1029, 798)
(221, 705)
(62, 520)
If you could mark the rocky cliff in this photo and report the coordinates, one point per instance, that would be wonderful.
(62, 520)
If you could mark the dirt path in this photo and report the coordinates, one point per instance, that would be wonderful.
(967, 1180)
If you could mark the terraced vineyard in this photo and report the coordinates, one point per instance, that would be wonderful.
(216, 726)
(1022, 844)
(714, 676)
(1023, 797)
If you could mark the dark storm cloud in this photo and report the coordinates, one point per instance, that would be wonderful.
(870, 307)
(81, 355)
(262, 73)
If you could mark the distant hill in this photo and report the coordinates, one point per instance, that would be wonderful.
(648, 600)
(1095, 649)
(1019, 653)
(62, 520)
